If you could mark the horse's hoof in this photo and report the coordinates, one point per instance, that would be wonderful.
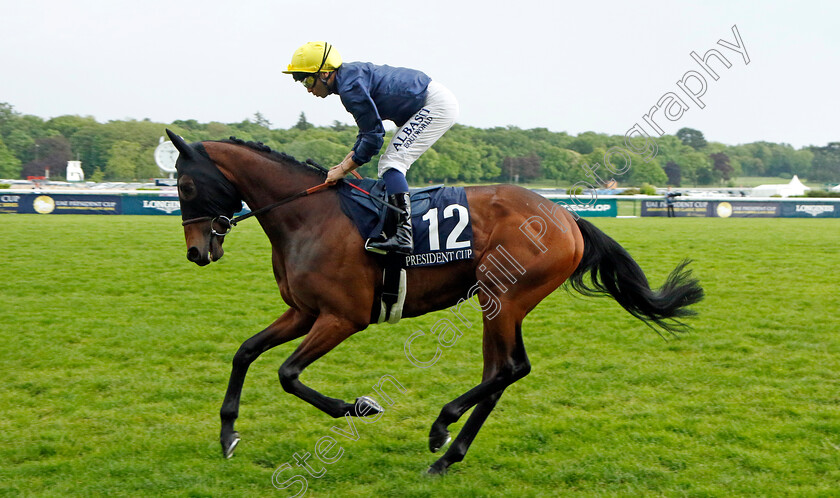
(367, 407)
(230, 445)
(439, 441)
(436, 469)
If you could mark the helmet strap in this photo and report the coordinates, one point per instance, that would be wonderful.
(327, 49)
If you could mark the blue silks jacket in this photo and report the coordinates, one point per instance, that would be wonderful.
(373, 93)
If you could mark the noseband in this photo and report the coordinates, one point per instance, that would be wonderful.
(224, 220)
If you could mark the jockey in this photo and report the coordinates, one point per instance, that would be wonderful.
(421, 108)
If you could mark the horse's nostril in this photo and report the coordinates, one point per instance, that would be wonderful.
(193, 254)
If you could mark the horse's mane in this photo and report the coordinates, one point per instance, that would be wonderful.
(309, 164)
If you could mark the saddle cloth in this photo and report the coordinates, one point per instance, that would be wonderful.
(440, 219)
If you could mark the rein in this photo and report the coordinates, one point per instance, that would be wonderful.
(227, 224)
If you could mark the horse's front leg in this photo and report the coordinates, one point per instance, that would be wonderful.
(291, 325)
(327, 332)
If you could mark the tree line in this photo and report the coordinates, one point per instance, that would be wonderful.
(123, 151)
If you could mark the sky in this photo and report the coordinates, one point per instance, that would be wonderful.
(568, 67)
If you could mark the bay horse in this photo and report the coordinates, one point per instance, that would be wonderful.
(330, 282)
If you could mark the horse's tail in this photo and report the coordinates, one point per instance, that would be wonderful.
(613, 271)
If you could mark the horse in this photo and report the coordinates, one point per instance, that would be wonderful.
(330, 283)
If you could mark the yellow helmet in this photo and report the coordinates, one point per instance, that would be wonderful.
(314, 57)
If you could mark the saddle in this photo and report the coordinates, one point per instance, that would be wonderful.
(442, 233)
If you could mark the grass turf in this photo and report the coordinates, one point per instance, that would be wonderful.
(116, 353)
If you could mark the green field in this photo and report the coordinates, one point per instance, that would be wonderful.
(116, 353)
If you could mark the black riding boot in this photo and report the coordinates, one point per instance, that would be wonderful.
(402, 242)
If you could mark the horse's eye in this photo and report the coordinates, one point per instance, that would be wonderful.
(187, 190)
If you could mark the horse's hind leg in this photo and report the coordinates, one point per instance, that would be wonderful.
(462, 443)
(505, 362)
(291, 325)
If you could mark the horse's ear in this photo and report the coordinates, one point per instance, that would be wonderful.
(183, 147)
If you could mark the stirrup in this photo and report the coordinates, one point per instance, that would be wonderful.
(372, 249)
(376, 250)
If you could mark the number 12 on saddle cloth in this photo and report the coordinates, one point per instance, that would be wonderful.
(440, 218)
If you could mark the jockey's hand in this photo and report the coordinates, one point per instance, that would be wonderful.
(336, 173)
(340, 170)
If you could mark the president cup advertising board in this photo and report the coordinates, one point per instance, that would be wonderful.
(788, 208)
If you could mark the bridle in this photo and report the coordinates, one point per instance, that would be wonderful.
(227, 223)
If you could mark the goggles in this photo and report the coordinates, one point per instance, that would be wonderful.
(308, 82)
